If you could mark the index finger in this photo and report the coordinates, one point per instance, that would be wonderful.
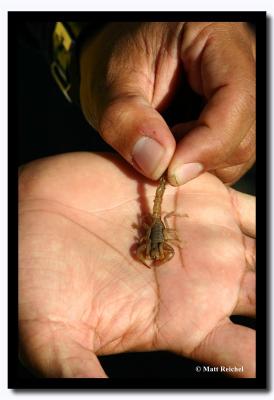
(220, 65)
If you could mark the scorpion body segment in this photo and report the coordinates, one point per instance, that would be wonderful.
(156, 237)
(153, 246)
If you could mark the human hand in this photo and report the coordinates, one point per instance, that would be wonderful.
(83, 294)
(129, 74)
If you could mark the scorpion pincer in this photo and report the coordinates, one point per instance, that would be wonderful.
(153, 245)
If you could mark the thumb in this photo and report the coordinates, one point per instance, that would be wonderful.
(64, 358)
(139, 133)
(116, 89)
(81, 363)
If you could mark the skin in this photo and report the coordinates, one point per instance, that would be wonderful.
(83, 293)
(130, 72)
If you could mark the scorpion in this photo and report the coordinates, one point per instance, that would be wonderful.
(153, 245)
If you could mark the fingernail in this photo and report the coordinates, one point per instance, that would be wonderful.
(185, 173)
(147, 154)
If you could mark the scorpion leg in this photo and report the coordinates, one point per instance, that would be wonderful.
(148, 247)
(161, 251)
(168, 231)
(143, 251)
(146, 236)
(172, 214)
(174, 240)
(146, 226)
(140, 254)
(143, 238)
(169, 252)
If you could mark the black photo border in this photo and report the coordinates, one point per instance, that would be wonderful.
(261, 22)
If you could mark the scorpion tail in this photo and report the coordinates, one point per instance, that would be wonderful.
(159, 197)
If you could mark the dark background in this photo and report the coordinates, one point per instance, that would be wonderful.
(48, 124)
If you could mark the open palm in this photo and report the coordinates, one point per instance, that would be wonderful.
(83, 293)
